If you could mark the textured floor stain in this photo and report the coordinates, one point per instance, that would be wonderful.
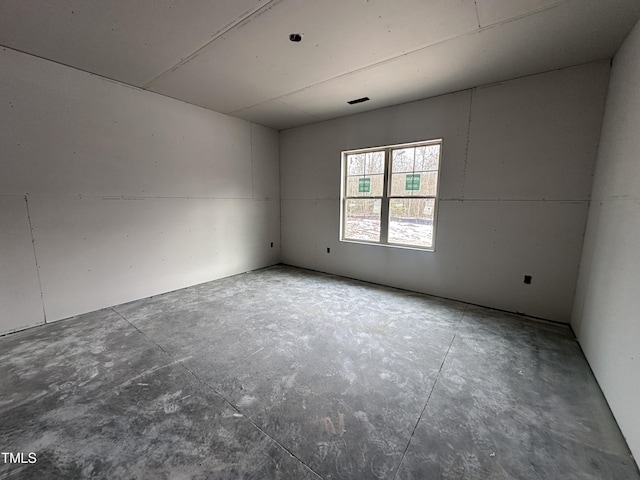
(328, 426)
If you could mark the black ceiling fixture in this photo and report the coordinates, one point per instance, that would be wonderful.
(295, 37)
(358, 100)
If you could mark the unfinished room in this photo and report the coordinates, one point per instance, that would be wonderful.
(320, 239)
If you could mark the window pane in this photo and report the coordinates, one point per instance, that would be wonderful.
(428, 183)
(402, 160)
(411, 221)
(366, 164)
(374, 163)
(362, 219)
(414, 184)
(369, 186)
(414, 171)
(404, 184)
(427, 158)
(356, 164)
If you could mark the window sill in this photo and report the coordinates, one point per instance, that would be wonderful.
(390, 245)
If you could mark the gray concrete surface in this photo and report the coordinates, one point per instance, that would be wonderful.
(285, 373)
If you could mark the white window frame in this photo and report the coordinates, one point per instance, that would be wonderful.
(386, 195)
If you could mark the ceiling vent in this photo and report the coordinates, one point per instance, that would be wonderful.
(358, 100)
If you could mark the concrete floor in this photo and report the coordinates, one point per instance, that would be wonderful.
(289, 374)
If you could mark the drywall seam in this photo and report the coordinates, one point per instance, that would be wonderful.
(475, 4)
(575, 201)
(253, 191)
(466, 148)
(113, 80)
(82, 196)
(242, 20)
(404, 53)
(515, 200)
(35, 257)
(280, 191)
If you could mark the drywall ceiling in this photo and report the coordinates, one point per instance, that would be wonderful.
(235, 56)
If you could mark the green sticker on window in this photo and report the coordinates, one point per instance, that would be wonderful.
(364, 185)
(412, 182)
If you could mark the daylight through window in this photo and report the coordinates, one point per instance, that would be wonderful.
(389, 194)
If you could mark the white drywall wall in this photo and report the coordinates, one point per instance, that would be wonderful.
(20, 303)
(516, 175)
(606, 317)
(129, 193)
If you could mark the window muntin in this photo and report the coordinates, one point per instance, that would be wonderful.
(389, 195)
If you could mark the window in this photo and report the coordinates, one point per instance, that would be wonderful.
(389, 195)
